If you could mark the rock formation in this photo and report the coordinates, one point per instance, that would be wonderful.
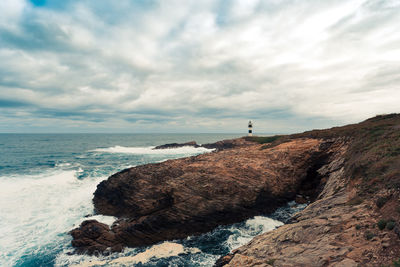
(342, 171)
(176, 145)
(188, 196)
(355, 219)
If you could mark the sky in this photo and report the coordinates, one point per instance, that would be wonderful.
(187, 66)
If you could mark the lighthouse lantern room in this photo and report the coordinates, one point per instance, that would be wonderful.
(250, 129)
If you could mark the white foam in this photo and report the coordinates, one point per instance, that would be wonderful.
(163, 250)
(186, 150)
(36, 211)
(103, 219)
(253, 227)
(66, 164)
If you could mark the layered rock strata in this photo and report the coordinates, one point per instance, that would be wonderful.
(338, 229)
(189, 196)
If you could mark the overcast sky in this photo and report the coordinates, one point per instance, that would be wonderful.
(196, 66)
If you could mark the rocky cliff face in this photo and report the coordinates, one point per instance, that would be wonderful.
(332, 231)
(355, 219)
(350, 174)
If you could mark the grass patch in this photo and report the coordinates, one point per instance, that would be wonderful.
(394, 152)
(369, 235)
(381, 224)
(271, 261)
(381, 201)
(390, 225)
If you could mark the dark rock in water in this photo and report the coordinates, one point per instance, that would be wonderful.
(176, 145)
(189, 196)
(93, 237)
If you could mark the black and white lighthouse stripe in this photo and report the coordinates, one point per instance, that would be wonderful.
(250, 128)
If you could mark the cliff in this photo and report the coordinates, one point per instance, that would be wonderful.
(354, 221)
(343, 171)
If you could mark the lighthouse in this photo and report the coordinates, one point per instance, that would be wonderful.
(250, 129)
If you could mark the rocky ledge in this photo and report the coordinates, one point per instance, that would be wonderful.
(220, 145)
(344, 172)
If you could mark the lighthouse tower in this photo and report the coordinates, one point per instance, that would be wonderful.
(250, 129)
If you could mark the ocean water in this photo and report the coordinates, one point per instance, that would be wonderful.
(47, 183)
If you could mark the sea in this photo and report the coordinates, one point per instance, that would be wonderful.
(47, 183)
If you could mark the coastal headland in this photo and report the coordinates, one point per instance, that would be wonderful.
(350, 175)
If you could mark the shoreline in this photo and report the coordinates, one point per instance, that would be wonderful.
(251, 177)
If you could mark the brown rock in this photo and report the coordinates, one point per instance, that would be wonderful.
(324, 233)
(93, 237)
(189, 196)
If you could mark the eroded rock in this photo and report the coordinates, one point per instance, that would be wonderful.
(189, 196)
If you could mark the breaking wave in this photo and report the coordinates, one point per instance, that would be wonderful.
(36, 211)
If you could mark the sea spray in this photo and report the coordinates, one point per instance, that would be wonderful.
(246, 232)
(37, 210)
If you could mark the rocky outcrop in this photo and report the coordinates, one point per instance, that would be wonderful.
(189, 196)
(220, 145)
(99, 236)
(177, 145)
(346, 224)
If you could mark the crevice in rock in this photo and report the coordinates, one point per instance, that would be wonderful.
(314, 182)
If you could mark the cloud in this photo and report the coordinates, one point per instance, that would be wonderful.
(4, 103)
(197, 65)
